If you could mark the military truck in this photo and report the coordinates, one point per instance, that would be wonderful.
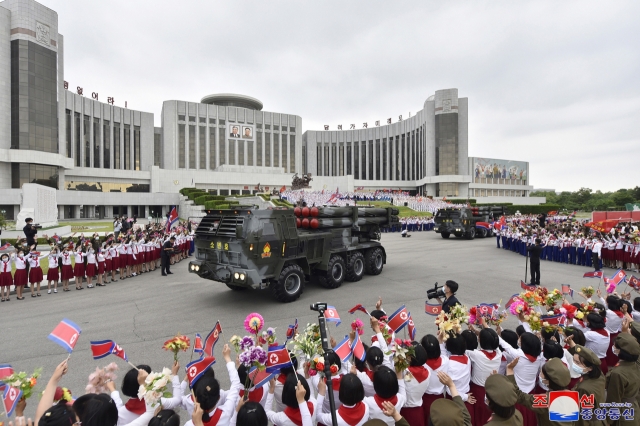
(467, 222)
(282, 248)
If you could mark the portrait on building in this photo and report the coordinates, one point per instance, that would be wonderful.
(492, 168)
(247, 133)
(235, 132)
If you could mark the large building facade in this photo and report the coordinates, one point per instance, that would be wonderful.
(104, 159)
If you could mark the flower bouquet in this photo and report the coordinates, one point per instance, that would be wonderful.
(309, 341)
(98, 379)
(155, 387)
(532, 298)
(403, 352)
(534, 321)
(386, 331)
(235, 341)
(177, 344)
(61, 394)
(518, 307)
(451, 324)
(268, 337)
(358, 327)
(316, 366)
(24, 383)
(552, 298)
(496, 317)
(587, 291)
(251, 356)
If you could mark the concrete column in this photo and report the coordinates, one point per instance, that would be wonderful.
(76, 212)
(60, 212)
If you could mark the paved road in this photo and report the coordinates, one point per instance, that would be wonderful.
(141, 313)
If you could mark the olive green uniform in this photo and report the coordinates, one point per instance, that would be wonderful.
(623, 382)
(595, 387)
(515, 420)
(542, 414)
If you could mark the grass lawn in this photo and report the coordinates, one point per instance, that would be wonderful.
(404, 211)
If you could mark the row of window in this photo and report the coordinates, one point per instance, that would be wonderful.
(497, 193)
(96, 145)
(268, 150)
(395, 158)
(222, 122)
(106, 186)
(500, 181)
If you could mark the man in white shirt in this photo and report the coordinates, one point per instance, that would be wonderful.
(596, 254)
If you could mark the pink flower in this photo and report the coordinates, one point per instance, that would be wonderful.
(312, 373)
(253, 323)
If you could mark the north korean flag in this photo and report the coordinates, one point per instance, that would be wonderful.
(197, 344)
(433, 310)
(6, 246)
(618, 277)
(551, 319)
(291, 331)
(196, 369)
(331, 315)
(277, 358)
(399, 319)
(259, 378)
(486, 308)
(119, 352)
(357, 348)
(66, 334)
(360, 308)
(5, 371)
(211, 339)
(411, 327)
(102, 348)
(594, 274)
(343, 350)
(526, 287)
(511, 300)
(566, 289)
(10, 399)
(634, 282)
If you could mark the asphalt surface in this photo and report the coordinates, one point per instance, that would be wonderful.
(141, 313)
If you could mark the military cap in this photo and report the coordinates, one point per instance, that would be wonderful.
(635, 330)
(588, 355)
(628, 343)
(500, 390)
(445, 412)
(374, 422)
(557, 372)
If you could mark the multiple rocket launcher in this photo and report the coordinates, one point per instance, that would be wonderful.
(343, 217)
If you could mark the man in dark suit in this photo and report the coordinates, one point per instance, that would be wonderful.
(534, 261)
(234, 132)
(30, 232)
(165, 258)
(450, 288)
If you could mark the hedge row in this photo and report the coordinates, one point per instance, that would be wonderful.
(526, 209)
(185, 191)
(202, 199)
(215, 204)
(492, 204)
(281, 203)
(462, 201)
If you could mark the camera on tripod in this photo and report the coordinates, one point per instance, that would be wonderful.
(37, 226)
(435, 292)
(318, 307)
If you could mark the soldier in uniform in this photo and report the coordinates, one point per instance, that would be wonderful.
(445, 412)
(623, 380)
(592, 381)
(501, 398)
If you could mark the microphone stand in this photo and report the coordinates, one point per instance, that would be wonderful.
(327, 367)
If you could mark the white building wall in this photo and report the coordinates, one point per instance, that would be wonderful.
(5, 80)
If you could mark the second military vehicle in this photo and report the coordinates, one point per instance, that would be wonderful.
(283, 248)
(467, 222)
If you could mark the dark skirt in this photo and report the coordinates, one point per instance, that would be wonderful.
(67, 272)
(91, 269)
(101, 267)
(603, 366)
(6, 279)
(481, 412)
(78, 270)
(427, 400)
(528, 416)
(20, 277)
(413, 415)
(620, 255)
(35, 275)
(53, 274)
(108, 265)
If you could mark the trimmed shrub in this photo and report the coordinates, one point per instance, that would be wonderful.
(185, 191)
(202, 199)
(462, 201)
(525, 209)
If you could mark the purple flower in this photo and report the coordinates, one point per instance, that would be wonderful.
(259, 355)
(245, 358)
(271, 331)
(246, 343)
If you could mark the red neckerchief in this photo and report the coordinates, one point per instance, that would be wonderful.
(281, 379)
(581, 322)
(601, 331)
(369, 374)
(619, 314)
(294, 413)
(352, 415)
(379, 400)
(136, 406)
(213, 420)
(531, 358)
(419, 372)
(335, 381)
(254, 395)
(5, 266)
(504, 358)
(490, 355)
(434, 363)
(462, 359)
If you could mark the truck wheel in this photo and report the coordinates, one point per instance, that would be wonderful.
(444, 235)
(482, 233)
(374, 261)
(336, 271)
(236, 287)
(289, 285)
(471, 234)
(355, 268)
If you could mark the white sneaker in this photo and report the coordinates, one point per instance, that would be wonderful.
(48, 291)
(134, 274)
(90, 286)
(55, 290)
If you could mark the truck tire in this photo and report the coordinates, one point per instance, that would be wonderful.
(444, 235)
(336, 271)
(355, 267)
(289, 285)
(236, 287)
(373, 261)
(482, 233)
(471, 234)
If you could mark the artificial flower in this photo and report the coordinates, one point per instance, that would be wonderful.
(253, 323)
(23, 382)
(177, 344)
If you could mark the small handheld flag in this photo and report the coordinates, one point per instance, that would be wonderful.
(5, 371)
(486, 308)
(634, 283)
(291, 331)
(173, 218)
(119, 352)
(357, 348)
(360, 308)
(197, 344)
(594, 274)
(277, 358)
(566, 289)
(551, 319)
(331, 315)
(526, 287)
(196, 369)
(10, 399)
(433, 310)
(259, 378)
(511, 300)
(6, 246)
(66, 334)
(211, 339)
(343, 350)
(411, 327)
(102, 348)
(399, 319)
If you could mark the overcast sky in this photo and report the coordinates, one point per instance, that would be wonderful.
(553, 83)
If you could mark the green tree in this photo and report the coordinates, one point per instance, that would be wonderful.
(622, 197)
